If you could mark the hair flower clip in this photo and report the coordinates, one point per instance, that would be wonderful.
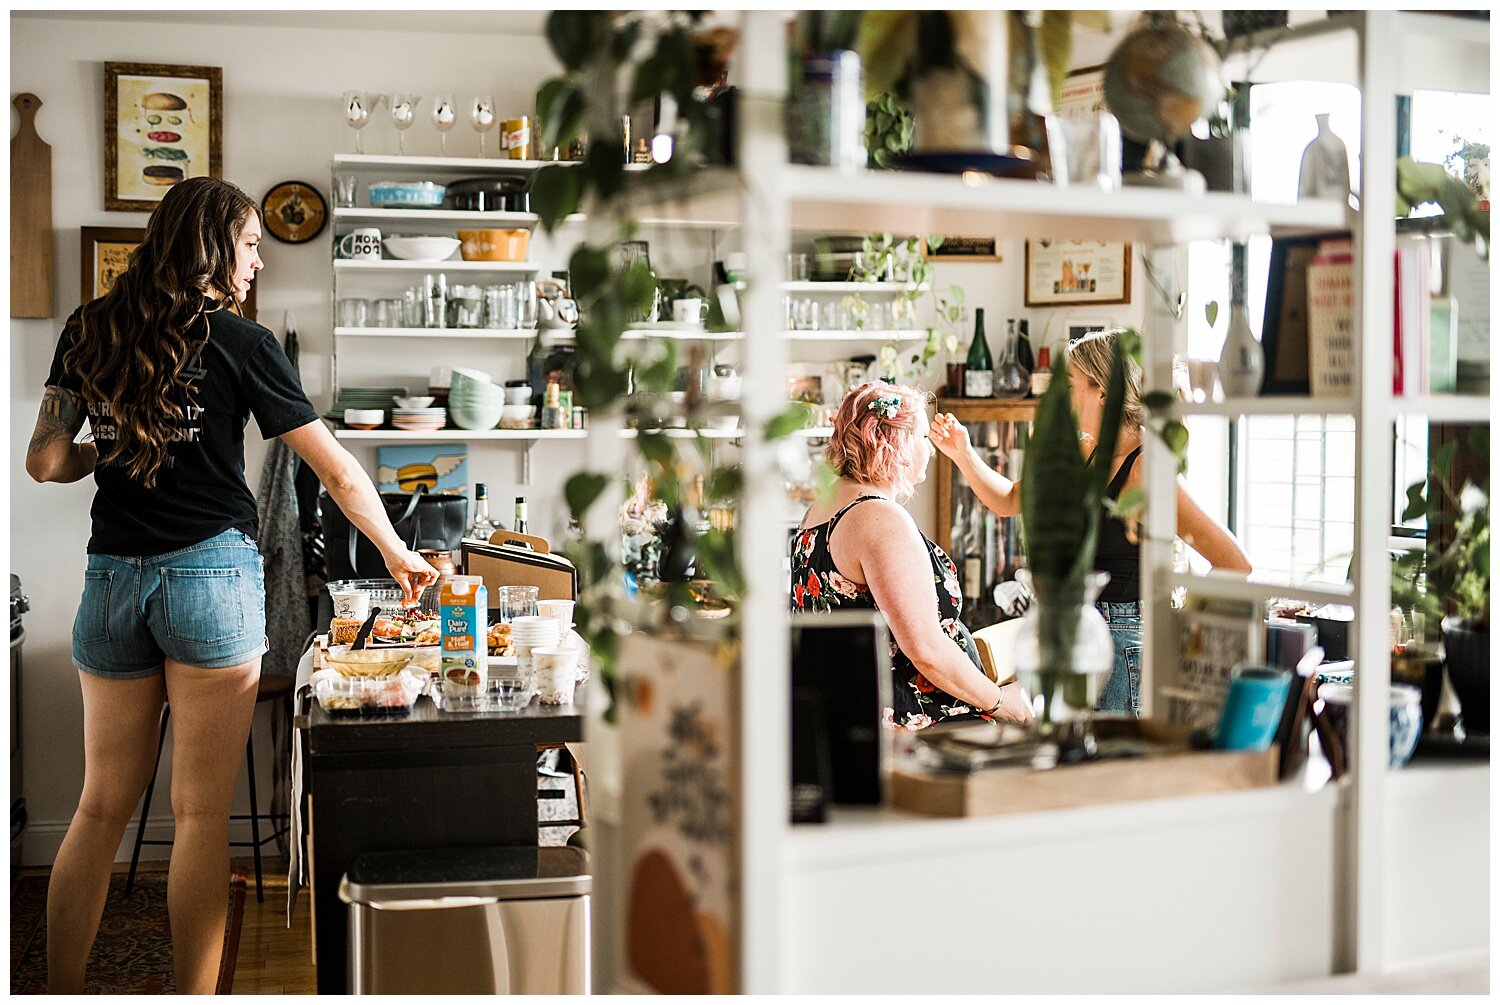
(887, 408)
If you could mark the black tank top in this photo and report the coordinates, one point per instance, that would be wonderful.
(1115, 554)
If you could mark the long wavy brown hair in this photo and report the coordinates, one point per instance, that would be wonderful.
(137, 339)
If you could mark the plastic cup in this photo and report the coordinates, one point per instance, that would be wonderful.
(556, 669)
(515, 602)
(562, 611)
(351, 604)
(510, 691)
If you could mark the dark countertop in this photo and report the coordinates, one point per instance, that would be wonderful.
(429, 727)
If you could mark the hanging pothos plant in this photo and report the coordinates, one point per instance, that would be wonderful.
(611, 61)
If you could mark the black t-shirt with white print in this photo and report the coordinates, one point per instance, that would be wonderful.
(239, 370)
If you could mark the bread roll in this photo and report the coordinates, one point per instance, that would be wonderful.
(341, 631)
(161, 101)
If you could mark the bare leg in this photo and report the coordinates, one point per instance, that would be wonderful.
(120, 723)
(211, 711)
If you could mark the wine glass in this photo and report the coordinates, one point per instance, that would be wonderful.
(443, 117)
(403, 113)
(482, 117)
(357, 108)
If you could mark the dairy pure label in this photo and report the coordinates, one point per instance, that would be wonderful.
(463, 608)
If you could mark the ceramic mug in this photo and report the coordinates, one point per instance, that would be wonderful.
(363, 243)
(689, 310)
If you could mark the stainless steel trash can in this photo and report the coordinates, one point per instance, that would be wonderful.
(469, 921)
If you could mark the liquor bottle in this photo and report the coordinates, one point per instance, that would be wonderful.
(520, 524)
(1242, 364)
(1041, 377)
(551, 407)
(979, 374)
(1011, 379)
(481, 527)
(1024, 355)
(973, 562)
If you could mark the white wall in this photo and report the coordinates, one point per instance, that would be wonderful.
(282, 79)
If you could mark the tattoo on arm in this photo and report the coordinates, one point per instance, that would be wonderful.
(60, 418)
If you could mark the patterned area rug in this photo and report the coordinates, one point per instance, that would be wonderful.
(133, 953)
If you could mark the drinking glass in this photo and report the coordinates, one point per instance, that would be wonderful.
(515, 602)
(797, 269)
(443, 117)
(388, 313)
(403, 108)
(526, 305)
(353, 312)
(345, 188)
(357, 108)
(482, 117)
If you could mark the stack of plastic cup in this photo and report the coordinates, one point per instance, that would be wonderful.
(527, 632)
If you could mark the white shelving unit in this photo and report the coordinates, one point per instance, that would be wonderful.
(1298, 884)
(459, 435)
(417, 266)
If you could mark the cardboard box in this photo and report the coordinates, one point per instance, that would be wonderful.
(1176, 770)
(507, 565)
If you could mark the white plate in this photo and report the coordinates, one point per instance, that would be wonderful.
(665, 326)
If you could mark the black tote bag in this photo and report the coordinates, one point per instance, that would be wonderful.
(423, 521)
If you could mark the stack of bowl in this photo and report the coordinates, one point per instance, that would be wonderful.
(474, 401)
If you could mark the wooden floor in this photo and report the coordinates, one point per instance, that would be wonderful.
(274, 959)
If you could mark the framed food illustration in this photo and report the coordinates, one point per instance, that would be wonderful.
(105, 253)
(1074, 273)
(294, 212)
(162, 124)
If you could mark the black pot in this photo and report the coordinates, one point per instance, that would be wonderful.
(1468, 665)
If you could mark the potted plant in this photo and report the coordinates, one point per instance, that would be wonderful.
(1450, 578)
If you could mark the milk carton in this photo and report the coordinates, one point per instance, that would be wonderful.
(464, 605)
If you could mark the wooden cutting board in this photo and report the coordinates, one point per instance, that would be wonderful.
(30, 216)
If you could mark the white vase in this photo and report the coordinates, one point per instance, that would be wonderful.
(1325, 166)
(1242, 364)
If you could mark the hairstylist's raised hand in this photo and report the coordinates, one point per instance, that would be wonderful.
(411, 571)
(949, 436)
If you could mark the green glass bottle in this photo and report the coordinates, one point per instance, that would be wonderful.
(979, 369)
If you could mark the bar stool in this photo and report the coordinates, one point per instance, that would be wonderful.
(579, 786)
(272, 687)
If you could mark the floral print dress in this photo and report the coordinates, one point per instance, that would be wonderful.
(818, 586)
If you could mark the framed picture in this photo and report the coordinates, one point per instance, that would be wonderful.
(1071, 273)
(965, 249)
(1077, 328)
(294, 212)
(162, 124)
(104, 253)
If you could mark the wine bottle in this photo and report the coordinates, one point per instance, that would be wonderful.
(520, 525)
(979, 369)
(1011, 379)
(1024, 355)
(1041, 377)
(481, 527)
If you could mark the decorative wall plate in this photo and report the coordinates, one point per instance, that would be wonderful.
(294, 212)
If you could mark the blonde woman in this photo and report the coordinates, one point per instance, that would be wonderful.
(861, 549)
(1089, 361)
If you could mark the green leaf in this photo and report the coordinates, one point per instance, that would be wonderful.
(638, 288)
(624, 41)
(561, 107)
(1416, 503)
(571, 33)
(1054, 508)
(655, 447)
(1211, 312)
(588, 270)
(793, 418)
(604, 167)
(724, 484)
(650, 79)
(582, 490)
(1132, 500)
(554, 194)
(1158, 401)
(1175, 435)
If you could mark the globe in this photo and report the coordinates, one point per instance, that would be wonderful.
(1159, 80)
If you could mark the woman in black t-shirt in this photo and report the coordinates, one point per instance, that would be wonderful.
(173, 607)
(1089, 361)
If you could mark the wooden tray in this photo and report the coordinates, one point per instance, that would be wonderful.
(1176, 770)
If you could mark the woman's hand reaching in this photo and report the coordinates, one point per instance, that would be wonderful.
(950, 436)
(411, 571)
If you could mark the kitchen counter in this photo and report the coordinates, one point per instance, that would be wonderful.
(432, 779)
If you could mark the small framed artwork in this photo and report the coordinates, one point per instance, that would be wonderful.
(294, 212)
(162, 125)
(1073, 273)
(1079, 327)
(104, 254)
(964, 249)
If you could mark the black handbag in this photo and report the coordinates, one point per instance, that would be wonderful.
(425, 522)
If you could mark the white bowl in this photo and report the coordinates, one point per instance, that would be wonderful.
(419, 401)
(518, 395)
(471, 373)
(516, 413)
(363, 417)
(421, 248)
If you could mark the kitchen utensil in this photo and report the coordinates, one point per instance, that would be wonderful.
(362, 244)
(364, 630)
(421, 248)
(31, 217)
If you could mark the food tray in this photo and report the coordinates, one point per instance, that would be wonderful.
(368, 697)
(382, 591)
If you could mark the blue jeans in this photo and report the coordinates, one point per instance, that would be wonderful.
(1122, 692)
(204, 605)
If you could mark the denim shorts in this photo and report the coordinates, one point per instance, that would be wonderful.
(203, 605)
(1122, 692)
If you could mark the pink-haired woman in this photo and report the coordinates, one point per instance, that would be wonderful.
(860, 548)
